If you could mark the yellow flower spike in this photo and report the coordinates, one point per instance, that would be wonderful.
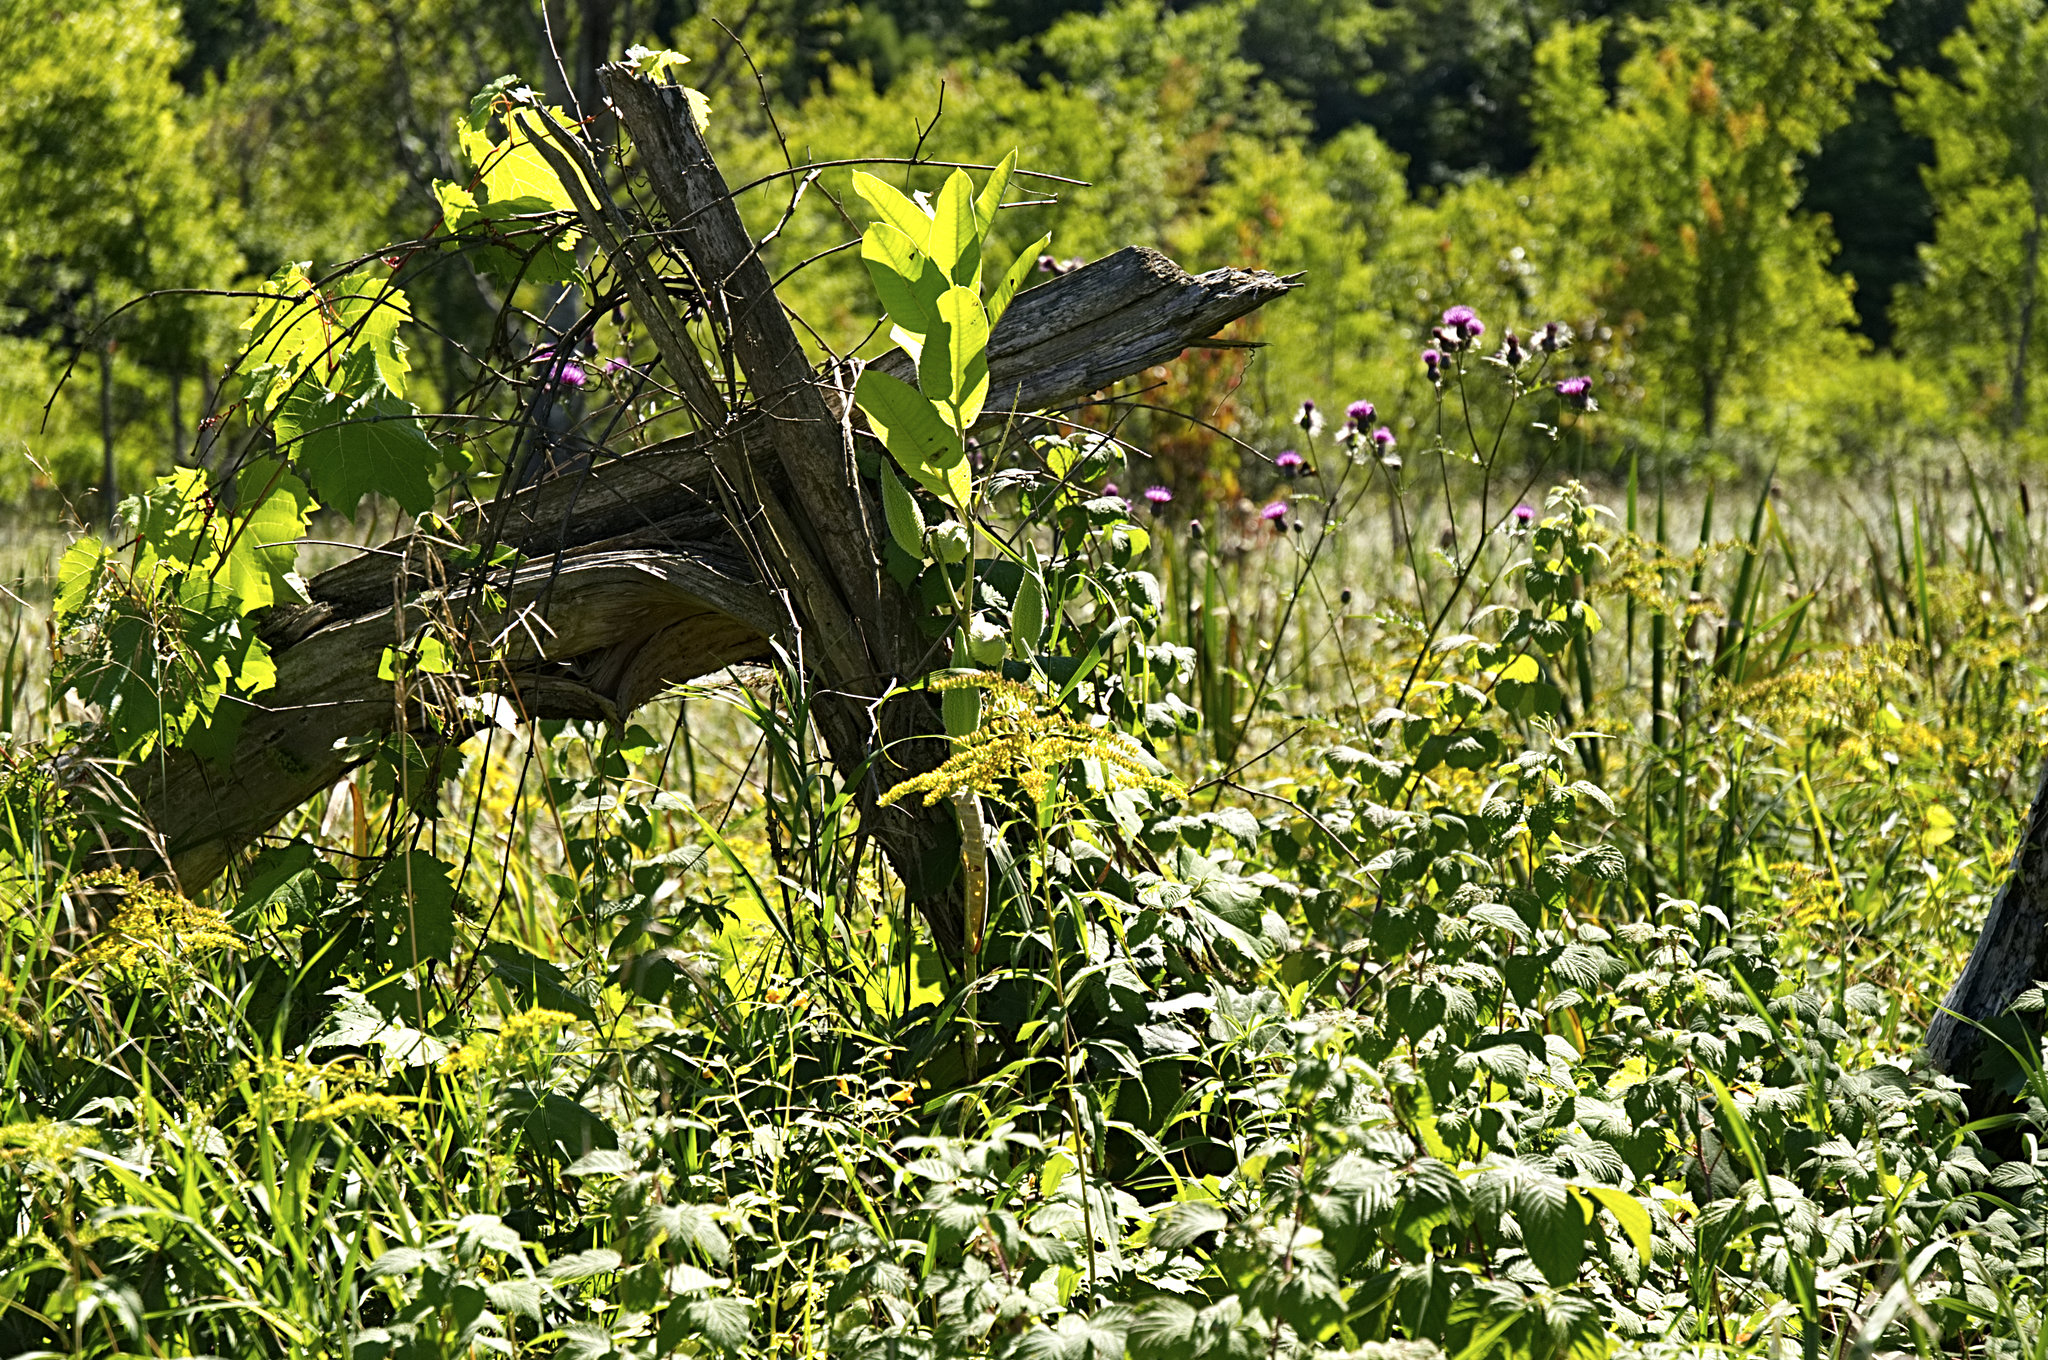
(532, 1024)
(1024, 741)
(365, 1104)
(153, 936)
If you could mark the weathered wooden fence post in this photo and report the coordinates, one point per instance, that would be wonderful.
(2011, 955)
(753, 537)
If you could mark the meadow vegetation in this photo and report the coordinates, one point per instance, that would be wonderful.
(1468, 811)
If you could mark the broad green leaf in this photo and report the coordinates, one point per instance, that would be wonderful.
(721, 1319)
(300, 333)
(917, 437)
(894, 208)
(349, 449)
(583, 1265)
(1182, 1224)
(514, 171)
(78, 575)
(1628, 1211)
(990, 199)
(265, 539)
(515, 1296)
(899, 508)
(533, 981)
(955, 243)
(1553, 1224)
(1013, 279)
(414, 900)
(286, 328)
(953, 370)
(367, 314)
(907, 281)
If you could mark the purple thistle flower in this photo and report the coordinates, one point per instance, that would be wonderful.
(1474, 329)
(1109, 488)
(1310, 419)
(1158, 495)
(1433, 360)
(1275, 512)
(1460, 316)
(1556, 335)
(569, 374)
(615, 366)
(1383, 439)
(1577, 393)
(1289, 462)
(1524, 516)
(1361, 412)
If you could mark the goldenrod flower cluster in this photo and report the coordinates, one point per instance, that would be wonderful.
(292, 1089)
(517, 1031)
(1022, 740)
(154, 935)
(366, 1104)
(46, 1142)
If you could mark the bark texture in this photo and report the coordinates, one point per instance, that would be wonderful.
(2011, 955)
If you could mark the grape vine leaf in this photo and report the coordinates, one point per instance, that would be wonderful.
(258, 567)
(348, 449)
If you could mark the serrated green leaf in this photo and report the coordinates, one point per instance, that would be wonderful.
(264, 547)
(722, 1320)
(414, 899)
(1182, 1224)
(515, 1296)
(349, 449)
(514, 171)
(1553, 1223)
(583, 1265)
(78, 575)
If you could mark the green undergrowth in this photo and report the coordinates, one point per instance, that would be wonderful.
(1440, 913)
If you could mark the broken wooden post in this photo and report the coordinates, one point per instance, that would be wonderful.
(1968, 1037)
(662, 564)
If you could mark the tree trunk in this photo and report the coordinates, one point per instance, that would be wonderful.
(650, 568)
(2010, 957)
(2030, 299)
(109, 493)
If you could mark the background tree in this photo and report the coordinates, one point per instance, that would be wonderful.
(1975, 316)
(1695, 167)
(101, 199)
